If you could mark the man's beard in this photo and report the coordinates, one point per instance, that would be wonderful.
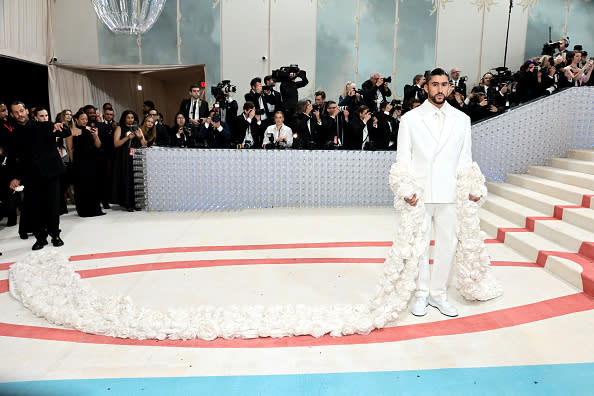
(435, 100)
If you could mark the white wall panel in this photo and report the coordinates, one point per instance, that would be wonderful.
(75, 32)
(244, 40)
(293, 37)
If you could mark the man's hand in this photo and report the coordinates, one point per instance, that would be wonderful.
(193, 121)
(379, 82)
(493, 109)
(251, 113)
(58, 126)
(473, 198)
(346, 114)
(503, 89)
(216, 124)
(389, 107)
(483, 103)
(366, 118)
(14, 183)
(317, 114)
(451, 89)
(99, 116)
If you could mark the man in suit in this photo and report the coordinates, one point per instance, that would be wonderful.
(375, 91)
(434, 142)
(194, 108)
(37, 167)
(289, 91)
(163, 138)
(215, 132)
(416, 90)
(247, 129)
(257, 98)
(495, 96)
(334, 128)
(459, 85)
(273, 98)
(305, 125)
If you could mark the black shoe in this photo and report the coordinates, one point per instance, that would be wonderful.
(23, 235)
(57, 241)
(39, 244)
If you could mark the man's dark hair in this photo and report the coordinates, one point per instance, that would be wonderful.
(38, 109)
(268, 78)
(89, 107)
(150, 104)
(160, 116)
(107, 105)
(321, 93)
(254, 81)
(16, 103)
(248, 105)
(330, 103)
(361, 109)
(301, 105)
(417, 78)
(438, 71)
(194, 86)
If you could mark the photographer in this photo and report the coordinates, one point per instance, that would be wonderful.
(278, 136)
(351, 97)
(359, 130)
(547, 77)
(416, 90)
(215, 132)
(458, 82)
(333, 127)
(257, 98)
(580, 76)
(181, 132)
(289, 89)
(479, 107)
(320, 102)
(496, 96)
(247, 130)
(225, 105)
(305, 125)
(162, 130)
(388, 132)
(273, 98)
(528, 86)
(376, 90)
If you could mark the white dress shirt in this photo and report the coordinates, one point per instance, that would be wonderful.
(284, 132)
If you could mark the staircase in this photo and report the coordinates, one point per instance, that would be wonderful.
(547, 216)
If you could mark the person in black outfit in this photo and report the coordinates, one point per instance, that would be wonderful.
(528, 87)
(215, 132)
(416, 90)
(10, 200)
(181, 132)
(375, 91)
(257, 98)
(334, 128)
(38, 167)
(361, 124)
(459, 85)
(126, 139)
(248, 129)
(274, 101)
(305, 126)
(104, 153)
(84, 146)
(479, 107)
(163, 138)
(194, 109)
(289, 91)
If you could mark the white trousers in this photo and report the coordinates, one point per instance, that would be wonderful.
(442, 218)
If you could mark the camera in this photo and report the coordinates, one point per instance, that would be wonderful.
(223, 88)
(358, 91)
(283, 74)
(266, 88)
(396, 104)
(387, 79)
(315, 107)
(343, 108)
(134, 127)
(549, 48)
(216, 117)
(502, 76)
(260, 111)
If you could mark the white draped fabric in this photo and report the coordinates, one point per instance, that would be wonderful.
(26, 29)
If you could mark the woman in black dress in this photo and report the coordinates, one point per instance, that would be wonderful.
(83, 147)
(126, 139)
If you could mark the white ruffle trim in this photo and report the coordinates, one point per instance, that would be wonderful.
(46, 283)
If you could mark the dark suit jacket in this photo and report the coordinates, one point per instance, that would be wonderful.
(410, 91)
(255, 99)
(184, 108)
(275, 99)
(239, 127)
(214, 138)
(306, 137)
(461, 87)
(289, 91)
(163, 138)
(331, 128)
(36, 154)
(370, 94)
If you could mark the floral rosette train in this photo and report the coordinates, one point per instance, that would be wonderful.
(47, 284)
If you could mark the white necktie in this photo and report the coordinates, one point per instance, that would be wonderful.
(439, 115)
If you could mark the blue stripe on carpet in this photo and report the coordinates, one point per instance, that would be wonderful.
(560, 379)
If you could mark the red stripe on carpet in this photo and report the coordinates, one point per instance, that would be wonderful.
(5, 266)
(4, 286)
(470, 324)
(532, 219)
(587, 200)
(586, 264)
(558, 211)
(502, 231)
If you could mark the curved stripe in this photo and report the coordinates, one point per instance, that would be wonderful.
(508, 317)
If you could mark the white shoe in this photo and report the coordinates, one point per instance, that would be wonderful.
(444, 307)
(419, 306)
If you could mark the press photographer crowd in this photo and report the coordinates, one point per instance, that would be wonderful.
(86, 156)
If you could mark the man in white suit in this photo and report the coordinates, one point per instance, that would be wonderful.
(434, 141)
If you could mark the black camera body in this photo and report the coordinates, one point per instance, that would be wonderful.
(223, 88)
(387, 79)
(260, 111)
(283, 74)
(502, 76)
(396, 104)
(216, 117)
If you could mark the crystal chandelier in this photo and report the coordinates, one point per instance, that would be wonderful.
(129, 16)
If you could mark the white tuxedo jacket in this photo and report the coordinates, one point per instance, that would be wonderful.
(434, 158)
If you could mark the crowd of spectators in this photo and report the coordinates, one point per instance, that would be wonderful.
(86, 156)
